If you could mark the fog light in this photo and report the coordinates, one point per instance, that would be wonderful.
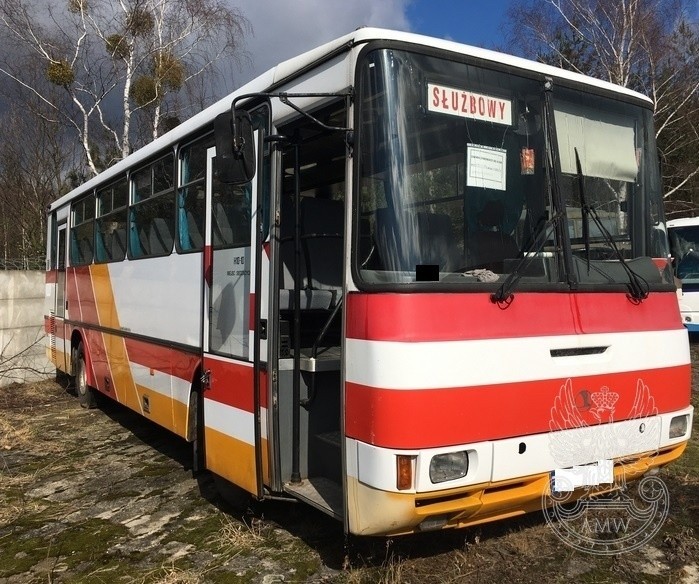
(449, 466)
(678, 426)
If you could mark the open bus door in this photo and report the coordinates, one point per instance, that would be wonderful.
(59, 355)
(234, 344)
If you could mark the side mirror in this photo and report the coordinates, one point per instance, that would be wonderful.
(235, 148)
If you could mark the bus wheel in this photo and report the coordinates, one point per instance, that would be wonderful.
(86, 396)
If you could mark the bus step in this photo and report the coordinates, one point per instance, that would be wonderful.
(331, 438)
(320, 492)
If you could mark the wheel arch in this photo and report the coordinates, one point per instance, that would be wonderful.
(76, 338)
(194, 403)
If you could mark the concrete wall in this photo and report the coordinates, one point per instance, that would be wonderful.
(22, 339)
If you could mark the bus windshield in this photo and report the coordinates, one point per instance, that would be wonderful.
(684, 242)
(455, 184)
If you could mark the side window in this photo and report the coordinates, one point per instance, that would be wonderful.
(152, 213)
(110, 232)
(230, 214)
(82, 231)
(191, 196)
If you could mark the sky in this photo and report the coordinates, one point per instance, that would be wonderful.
(283, 29)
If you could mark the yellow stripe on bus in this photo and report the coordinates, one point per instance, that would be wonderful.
(231, 459)
(123, 383)
(163, 410)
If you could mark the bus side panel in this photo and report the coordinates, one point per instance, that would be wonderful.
(229, 418)
(55, 328)
(160, 297)
(148, 377)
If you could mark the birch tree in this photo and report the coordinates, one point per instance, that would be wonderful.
(647, 45)
(34, 170)
(115, 60)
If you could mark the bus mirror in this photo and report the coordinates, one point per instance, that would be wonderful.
(235, 148)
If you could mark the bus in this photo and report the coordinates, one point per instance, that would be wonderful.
(385, 278)
(684, 248)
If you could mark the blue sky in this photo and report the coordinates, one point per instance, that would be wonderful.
(468, 21)
(283, 29)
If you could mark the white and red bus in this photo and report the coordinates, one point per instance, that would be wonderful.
(684, 248)
(411, 268)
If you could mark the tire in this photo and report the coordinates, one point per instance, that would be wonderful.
(86, 395)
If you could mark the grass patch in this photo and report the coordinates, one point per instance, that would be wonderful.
(88, 541)
(152, 471)
(197, 532)
(19, 554)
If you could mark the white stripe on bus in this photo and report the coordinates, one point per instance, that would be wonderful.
(501, 460)
(441, 364)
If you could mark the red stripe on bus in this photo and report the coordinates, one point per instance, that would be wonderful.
(166, 360)
(456, 316)
(52, 277)
(616, 313)
(81, 297)
(71, 296)
(442, 417)
(97, 357)
(264, 380)
(231, 384)
(208, 265)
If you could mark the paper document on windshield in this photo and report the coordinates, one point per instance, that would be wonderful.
(486, 167)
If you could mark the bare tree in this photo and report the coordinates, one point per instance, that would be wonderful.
(34, 162)
(16, 366)
(646, 45)
(146, 51)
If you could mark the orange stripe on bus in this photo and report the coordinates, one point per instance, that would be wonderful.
(164, 410)
(230, 458)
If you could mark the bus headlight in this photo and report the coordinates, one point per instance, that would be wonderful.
(449, 466)
(678, 426)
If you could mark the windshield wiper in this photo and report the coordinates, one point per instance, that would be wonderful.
(504, 292)
(638, 287)
(583, 209)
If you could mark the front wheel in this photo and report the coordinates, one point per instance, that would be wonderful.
(86, 395)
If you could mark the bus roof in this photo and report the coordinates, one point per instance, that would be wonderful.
(683, 222)
(291, 67)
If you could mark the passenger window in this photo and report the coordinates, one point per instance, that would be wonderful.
(82, 231)
(230, 214)
(152, 214)
(110, 232)
(191, 196)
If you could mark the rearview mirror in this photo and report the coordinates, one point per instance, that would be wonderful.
(235, 148)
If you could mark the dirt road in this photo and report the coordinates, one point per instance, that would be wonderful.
(103, 496)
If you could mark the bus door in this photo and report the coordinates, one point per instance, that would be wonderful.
(234, 343)
(59, 355)
(309, 261)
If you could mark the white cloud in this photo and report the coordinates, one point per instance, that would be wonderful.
(284, 29)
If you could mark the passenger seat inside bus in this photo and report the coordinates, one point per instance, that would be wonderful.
(322, 228)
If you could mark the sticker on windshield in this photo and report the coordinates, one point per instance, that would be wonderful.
(486, 167)
(466, 104)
